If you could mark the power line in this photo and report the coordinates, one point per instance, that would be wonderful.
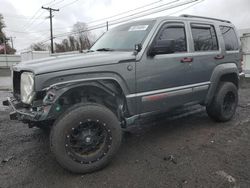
(49, 3)
(68, 4)
(122, 13)
(125, 12)
(93, 21)
(25, 32)
(32, 18)
(56, 3)
(110, 22)
(52, 3)
(114, 22)
(17, 17)
(186, 7)
(35, 17)
(126, 19)
(26, 27)
(147, 10)
(132, 11)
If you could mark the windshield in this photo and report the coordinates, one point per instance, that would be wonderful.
(124, 37)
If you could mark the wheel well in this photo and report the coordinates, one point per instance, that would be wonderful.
(106, 93)
(231, 77)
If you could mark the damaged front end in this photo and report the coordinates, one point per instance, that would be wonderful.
(26, 114)
(27, 105)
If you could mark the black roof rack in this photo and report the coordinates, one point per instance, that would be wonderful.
(192, 16)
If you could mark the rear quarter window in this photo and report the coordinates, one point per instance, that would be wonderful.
(230, 38)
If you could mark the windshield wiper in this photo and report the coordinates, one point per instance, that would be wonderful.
(105, 49)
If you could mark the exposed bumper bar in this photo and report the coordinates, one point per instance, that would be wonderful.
(16, 114)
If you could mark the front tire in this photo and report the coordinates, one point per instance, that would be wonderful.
(224, 104)
(85, 138)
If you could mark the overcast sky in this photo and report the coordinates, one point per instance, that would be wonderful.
(26, 21)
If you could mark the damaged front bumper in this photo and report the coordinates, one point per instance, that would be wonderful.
(26, 114)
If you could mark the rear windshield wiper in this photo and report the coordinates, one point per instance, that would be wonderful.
(105, 49)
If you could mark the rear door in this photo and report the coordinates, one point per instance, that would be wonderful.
(206, 53)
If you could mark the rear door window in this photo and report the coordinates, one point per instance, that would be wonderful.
(204, 37)
(230, 38)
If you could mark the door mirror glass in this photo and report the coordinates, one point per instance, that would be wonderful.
(166, 46)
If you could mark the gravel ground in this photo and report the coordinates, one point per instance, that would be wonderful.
(186, 150)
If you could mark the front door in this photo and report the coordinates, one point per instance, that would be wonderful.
(164, 80)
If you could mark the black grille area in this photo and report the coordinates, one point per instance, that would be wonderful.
(16, 83)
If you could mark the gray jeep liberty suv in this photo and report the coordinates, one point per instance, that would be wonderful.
(134, 70)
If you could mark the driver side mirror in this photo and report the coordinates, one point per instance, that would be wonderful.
(162, 47)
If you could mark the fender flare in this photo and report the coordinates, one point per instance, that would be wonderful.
(218, 72)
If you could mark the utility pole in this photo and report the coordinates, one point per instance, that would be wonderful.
(51, 26)
(107, 25)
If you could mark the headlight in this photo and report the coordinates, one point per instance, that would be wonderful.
(27, 87)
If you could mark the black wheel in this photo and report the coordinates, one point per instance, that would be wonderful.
(223, 106)
(85, 138)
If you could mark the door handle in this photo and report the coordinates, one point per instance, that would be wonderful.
(187, 60)
(217, 57)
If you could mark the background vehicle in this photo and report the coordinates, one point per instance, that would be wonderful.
(135, 70)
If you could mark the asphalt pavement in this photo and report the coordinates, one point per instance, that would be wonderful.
(5, 82)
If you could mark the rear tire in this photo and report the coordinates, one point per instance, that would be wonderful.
(86, 138)
(224, 104)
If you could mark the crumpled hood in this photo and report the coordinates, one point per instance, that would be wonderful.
(66, 62)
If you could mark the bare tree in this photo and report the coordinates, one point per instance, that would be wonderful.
(39, 47)
(81, 39)
(83, 36)
(5, 47)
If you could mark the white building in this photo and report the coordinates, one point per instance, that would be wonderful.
(245, 42)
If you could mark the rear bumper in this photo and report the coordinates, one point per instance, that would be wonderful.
(21, 113)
